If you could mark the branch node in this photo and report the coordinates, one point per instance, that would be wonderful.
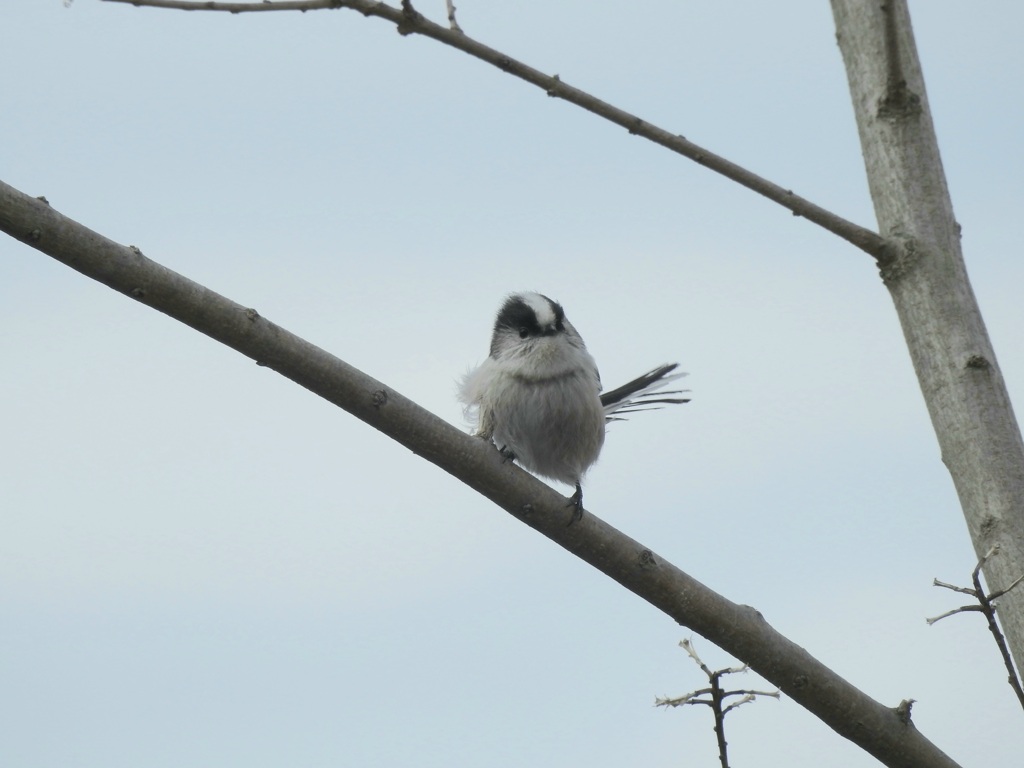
(903, 710)
(380, 398)
(899, 103)
(899, 255)
(646, 559)
(411, 19)
(792, 206)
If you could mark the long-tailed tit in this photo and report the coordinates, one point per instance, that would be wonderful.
(538, 394)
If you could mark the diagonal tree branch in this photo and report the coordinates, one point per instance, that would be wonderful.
(409, 22)
(739, 630)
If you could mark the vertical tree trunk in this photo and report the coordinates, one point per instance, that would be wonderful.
(924, 271)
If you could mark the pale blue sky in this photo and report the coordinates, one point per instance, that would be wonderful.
(202, 564)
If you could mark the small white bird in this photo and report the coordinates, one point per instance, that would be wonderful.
(538, 394)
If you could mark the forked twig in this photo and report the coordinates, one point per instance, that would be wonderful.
(987, 606)
(714, 697)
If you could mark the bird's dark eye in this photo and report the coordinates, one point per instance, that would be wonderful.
(524, 332)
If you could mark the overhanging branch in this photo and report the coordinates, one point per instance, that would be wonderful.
(410, 22)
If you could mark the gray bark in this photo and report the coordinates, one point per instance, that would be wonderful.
(925, 274)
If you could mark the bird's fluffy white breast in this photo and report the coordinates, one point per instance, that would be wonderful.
(554, 424)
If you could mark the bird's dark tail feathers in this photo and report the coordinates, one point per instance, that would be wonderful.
(643, 393)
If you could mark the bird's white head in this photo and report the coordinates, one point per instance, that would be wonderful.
(531, 328)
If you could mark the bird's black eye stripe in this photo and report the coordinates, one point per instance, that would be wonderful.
(520, 316)
(517, 317)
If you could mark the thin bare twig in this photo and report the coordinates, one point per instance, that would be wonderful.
(202, 5)
(409, 22)
(452, 23)
(1000, 592)
(954, 587)
(715, 697)
(961, 609)
(987, 606)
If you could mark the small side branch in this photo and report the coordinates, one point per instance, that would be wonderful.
(409, 22)
(452, 23)
(987, 606)
(714, 697)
